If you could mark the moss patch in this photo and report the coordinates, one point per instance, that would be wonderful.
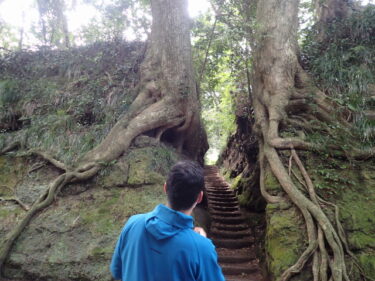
(76, 236)
(141, 166)
(12, 169)
(270, 181)
(367, 261)
(284, 238)
(116, 205)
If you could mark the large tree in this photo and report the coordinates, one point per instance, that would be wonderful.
(166, 107)
(284, 96)
(53, 23)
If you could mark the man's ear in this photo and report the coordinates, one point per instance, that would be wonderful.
(165, 187)
(200, 197)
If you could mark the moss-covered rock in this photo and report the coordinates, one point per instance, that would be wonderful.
(11, 170)
(285, 238)
(74, 239)
(367, 261)
(141, 166)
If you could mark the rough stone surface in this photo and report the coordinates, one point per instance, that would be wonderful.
(74, 238)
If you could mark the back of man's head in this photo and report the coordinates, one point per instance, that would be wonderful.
(185, 181)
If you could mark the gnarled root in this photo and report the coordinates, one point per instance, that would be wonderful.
(309, 209)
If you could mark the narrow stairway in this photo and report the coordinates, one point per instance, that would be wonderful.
(233, 239)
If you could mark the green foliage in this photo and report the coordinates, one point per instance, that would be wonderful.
(9, 93)
(332, 176)
(221, 59)
(53, 26)
(66, 102)
(219, 119)
(8, 39)
(343, 66)
(118, 20)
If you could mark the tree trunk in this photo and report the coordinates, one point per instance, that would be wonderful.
(42, 21)
(279, 82)
(167, 107)
(328, 11)
(63, 23)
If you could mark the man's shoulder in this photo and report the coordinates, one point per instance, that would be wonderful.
(136, 217)
(133, 220)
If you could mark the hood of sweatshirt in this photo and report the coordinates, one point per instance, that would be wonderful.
(163, 222)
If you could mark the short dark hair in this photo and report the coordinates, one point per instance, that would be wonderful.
(185, 181)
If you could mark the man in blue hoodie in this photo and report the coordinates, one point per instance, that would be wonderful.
(162, 245)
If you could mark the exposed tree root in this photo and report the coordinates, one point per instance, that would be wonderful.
(17, 201)
(269, 198)
(58, 164)
(10, 147)
(309, 208)
(36, 166)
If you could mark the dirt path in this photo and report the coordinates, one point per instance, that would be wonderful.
(231, 235)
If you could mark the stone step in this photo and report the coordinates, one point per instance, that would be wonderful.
(224, 208)
(223, 204)
(236, 258)
(225, 213)
(229, 227)
(218, 188)
(215, 179)
(255, 276)
(230, 233)
(224, 194)
(229, 203)
(228, 220)
(233, 243)
(240, 268)
(232, 237)
(250, 251)
(216, 184)
(223, 199)
(221, 192)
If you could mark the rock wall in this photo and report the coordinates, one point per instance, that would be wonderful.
(74, 238)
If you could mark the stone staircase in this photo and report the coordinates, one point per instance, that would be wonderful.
(232, 237)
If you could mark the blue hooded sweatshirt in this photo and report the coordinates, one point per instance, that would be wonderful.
(162, 246)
